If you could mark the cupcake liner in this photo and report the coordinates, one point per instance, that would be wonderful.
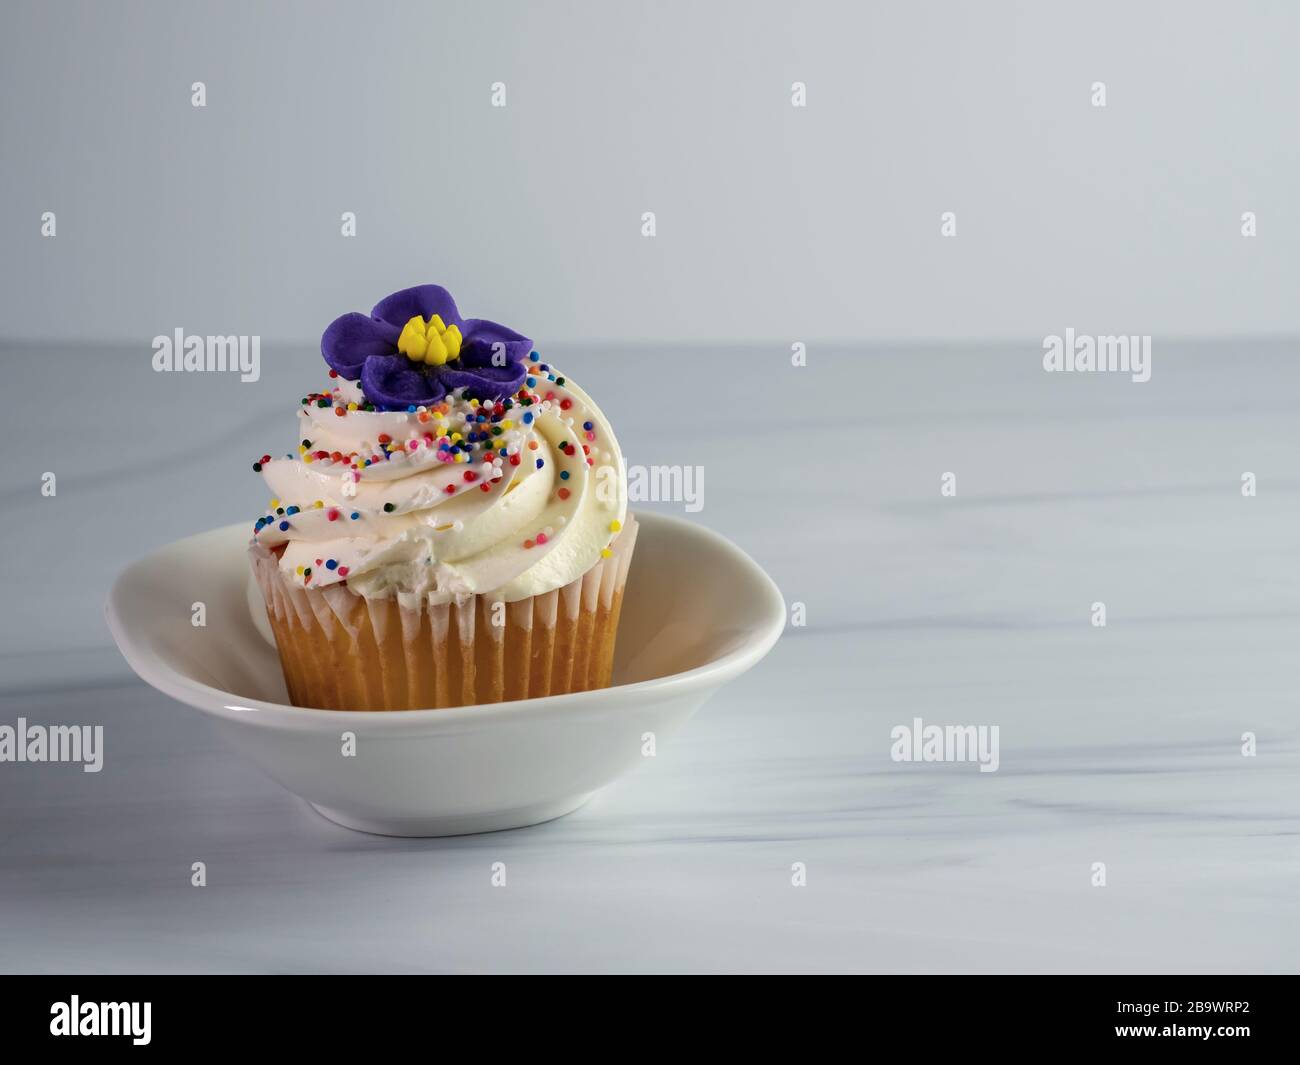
(341, 651)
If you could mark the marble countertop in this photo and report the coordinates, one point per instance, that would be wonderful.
(1119, 745)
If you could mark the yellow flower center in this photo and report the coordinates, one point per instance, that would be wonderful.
(431, 341)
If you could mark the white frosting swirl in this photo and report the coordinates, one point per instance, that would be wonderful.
(460, 498)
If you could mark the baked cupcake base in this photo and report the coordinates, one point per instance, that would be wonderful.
(341, 651)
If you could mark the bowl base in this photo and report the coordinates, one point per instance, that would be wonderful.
(460, 825)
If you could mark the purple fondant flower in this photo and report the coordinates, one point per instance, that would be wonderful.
(414, 348)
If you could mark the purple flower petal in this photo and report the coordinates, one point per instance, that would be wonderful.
(394, 382)
(424, 300)
(484, 382)
(351, 339)
(481, 338)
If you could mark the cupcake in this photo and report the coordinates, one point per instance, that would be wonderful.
(453, 526)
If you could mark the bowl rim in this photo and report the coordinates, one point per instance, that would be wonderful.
(157, 673)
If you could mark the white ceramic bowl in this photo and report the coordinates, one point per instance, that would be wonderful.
(697, 611)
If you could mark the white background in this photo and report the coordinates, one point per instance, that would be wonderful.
(774, 223)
